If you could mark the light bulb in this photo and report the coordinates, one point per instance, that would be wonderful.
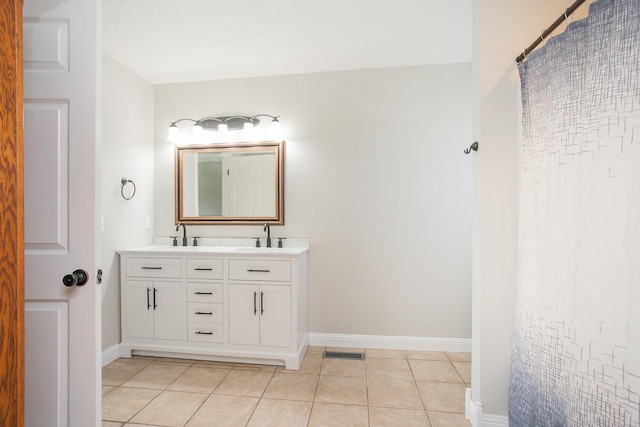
(174, 133)
(196, 132)
(248, 130)
(274, 128)
(222, 127)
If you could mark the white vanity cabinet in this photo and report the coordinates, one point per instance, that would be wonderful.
(260, 302)
(151, 296)
(214, 303)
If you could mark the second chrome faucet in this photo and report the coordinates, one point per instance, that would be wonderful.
(184, 233)
(267, 228)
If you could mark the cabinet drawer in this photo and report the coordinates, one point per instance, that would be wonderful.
(204, 313)
(204, 292)
(253, 269)
(153, 267)
(204, 268)
(206, 332)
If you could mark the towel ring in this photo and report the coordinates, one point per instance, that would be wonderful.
(124, 182)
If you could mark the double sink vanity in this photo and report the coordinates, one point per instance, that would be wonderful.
(216, 302)
(224, 299)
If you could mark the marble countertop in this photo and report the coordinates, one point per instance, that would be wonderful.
(207, 246)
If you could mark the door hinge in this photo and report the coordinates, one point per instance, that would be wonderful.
(99, 277)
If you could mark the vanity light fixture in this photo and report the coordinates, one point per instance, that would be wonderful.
(222, 124)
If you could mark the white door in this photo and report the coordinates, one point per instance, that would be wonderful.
(167, 310)
(275, 318)
(137, 303)
(244, 314)
(62, 323)
(252, 185)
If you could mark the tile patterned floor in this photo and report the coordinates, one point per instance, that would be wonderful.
(389, 388)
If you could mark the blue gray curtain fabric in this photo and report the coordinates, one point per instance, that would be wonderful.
(576, 340)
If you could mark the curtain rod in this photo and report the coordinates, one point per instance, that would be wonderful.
(546, 33)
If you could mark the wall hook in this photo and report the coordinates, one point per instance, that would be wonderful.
(473, 147)
(124, 182)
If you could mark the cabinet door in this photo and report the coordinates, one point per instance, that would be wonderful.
(167, 316)
(138, 308)
(275, 315)
(244, 314)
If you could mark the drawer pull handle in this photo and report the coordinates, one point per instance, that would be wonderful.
(203, 333)
(261, 303)
(150, 268)
(203, 269)
(252, 270)
(255, 308)
(204, 312)
(203, 293)
(148, 302)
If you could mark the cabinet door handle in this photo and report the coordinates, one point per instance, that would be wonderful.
(148, 302)
(203, 269)
(261, 303)
(203, 293)
(204, 312)
(150, 268)
(155, 291)
(254, 270)
(255, 307)
(203, 333)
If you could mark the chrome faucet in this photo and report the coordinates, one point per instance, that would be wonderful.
(267, 228)
(184, 233)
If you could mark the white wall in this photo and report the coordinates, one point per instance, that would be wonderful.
(376, 177)
(502, 29)
(127, 151)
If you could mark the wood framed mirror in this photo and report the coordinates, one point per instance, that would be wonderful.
(236, 183)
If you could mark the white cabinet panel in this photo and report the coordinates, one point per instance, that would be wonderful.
(260, 270)
(205, 332)
(260, 315)
(204, 292)
(153, 267)
(275, 315)
(244, 320)
(205, 313)
(204, 268)
(167, 317)
(137, 305)
(153, 309)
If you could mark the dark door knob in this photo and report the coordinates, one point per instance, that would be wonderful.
(77, 278)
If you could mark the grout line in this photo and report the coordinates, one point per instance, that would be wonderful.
(315, 392)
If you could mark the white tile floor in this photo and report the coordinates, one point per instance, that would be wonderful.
(389, 388)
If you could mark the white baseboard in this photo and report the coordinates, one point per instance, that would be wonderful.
(110, 354)
(473, 412)
(490, 420)
(359, 341)
(390, 342)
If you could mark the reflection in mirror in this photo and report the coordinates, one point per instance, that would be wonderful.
(239, 183)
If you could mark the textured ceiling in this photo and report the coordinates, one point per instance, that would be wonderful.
(168, 41)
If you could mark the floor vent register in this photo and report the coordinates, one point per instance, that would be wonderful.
(342, 355)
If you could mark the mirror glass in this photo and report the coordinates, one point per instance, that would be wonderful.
(239, 183)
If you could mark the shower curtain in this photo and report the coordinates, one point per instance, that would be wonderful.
(576, 341)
